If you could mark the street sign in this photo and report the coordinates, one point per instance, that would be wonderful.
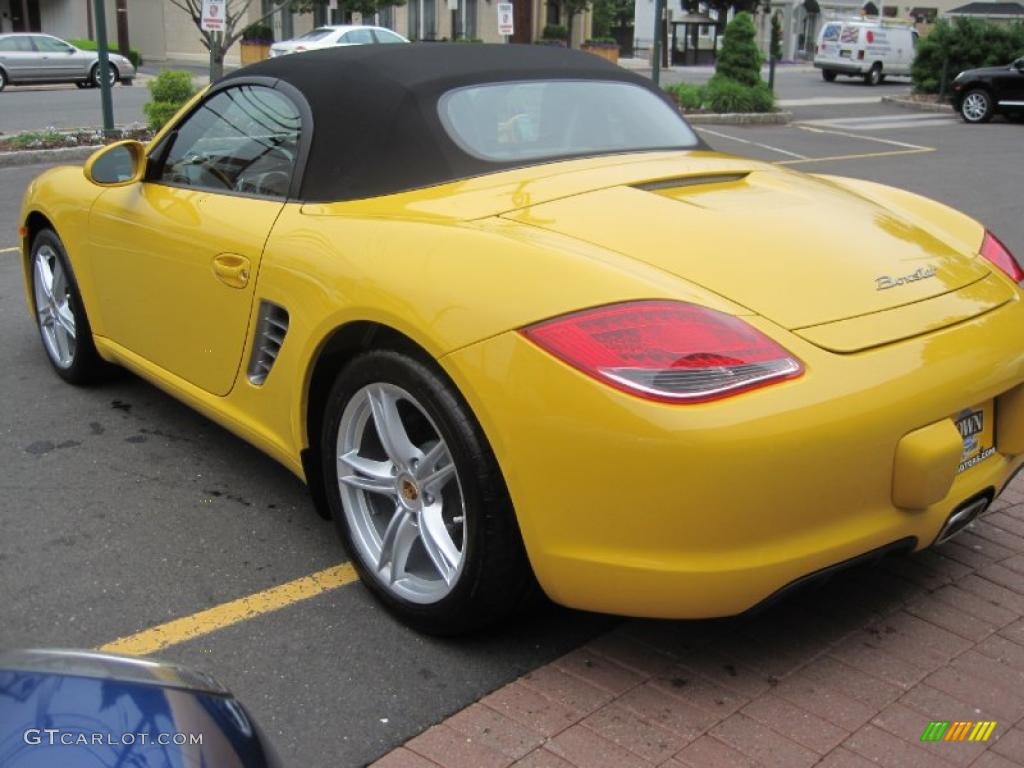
(213, 16)
(505, 26)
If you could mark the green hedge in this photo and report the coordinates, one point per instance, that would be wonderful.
(964, 44)
(555, 32)
(721, 94)
(169, 91)
(90, 45)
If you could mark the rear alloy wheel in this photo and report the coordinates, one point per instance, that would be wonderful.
(976, 107)
(63, 326)
(828, 75)
(3, 79)
(418, 498)
(874, 76)
(112, 75)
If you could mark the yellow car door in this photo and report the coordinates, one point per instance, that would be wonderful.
(175, 257)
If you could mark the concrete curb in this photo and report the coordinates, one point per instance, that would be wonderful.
(740, 118)
(35, 156)
(919, 106)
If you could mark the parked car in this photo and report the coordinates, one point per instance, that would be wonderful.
(871, 49)
(511, 319)
(36, 58)
(980, 93)
(85, 709)
(332, 36)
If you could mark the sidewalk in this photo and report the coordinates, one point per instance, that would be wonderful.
(848, 674)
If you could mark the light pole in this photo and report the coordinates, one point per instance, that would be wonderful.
(100, 12)
(659, 11)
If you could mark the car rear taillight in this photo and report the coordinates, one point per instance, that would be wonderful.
(666, 350)
(1000, 255)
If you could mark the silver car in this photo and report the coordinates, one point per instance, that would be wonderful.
(35, 58)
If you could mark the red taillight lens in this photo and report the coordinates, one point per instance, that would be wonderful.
(666, 350)
(1000, 255)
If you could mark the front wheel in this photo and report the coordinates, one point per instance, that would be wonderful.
(418, 497)
(976, 107)
(60, 314)
(828, 75)
(3, 79)
(112, 75)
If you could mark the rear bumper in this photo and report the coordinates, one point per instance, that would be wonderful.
(644, 509)
(843, 66)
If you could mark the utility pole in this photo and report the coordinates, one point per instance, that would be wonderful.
(659, 11)
(100, 14)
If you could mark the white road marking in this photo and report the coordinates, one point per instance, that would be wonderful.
(769, 147)
(862, 137)
(9, 250)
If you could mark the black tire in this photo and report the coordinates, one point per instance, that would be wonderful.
(112, 74)
(3, 79)
(86, 366)
(977, 106)
(874, 75)
(828, 75)
(495, 577)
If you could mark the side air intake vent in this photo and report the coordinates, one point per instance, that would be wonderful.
(271, 328)
(691, 181)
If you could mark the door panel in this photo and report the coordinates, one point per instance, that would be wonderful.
(175, 258)
(18, 58)
(156, 255)
(58, 59)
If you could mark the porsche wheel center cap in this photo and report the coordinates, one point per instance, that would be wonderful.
(409, 492)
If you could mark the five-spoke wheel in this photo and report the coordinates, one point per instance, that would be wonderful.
(63, 325)
(417, 495)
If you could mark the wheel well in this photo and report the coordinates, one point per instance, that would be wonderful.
(341, 346)
(34, 224)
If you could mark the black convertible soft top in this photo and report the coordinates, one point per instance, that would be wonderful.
(376, 128)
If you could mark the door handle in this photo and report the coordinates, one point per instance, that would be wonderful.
(231, 269)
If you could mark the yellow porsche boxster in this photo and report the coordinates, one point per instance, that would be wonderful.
(515, 324)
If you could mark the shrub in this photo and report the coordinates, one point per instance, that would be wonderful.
(555, 32)
(601, 42)
(689, 95)
(964, 44)
(740, 59)
(168, 91)
(90, 45)
(722, 94)
(258, 33)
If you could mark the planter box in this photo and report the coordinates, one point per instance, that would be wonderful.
(253, 52)
(609, 52)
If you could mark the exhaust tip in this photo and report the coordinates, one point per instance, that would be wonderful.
(963, 516)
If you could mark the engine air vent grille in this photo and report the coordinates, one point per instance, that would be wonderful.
(271, 328)
(691, 181)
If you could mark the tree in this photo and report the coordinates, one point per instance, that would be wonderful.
(218, 43)
(235, 21)
(775, 46)
(740, 60)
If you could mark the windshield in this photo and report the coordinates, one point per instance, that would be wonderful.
(538, 119)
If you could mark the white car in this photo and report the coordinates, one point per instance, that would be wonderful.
(868, 48)
(329, 37)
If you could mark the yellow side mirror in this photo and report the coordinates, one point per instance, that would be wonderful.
(117, 165)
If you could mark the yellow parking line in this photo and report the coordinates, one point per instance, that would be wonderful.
(891, 153)
(10, 250)
(220, 616)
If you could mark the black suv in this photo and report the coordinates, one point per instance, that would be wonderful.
(980, 93)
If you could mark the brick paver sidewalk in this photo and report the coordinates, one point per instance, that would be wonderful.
(847, 674)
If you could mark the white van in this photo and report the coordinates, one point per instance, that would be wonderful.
(868, 48)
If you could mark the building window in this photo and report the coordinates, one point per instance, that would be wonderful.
(924, 15)
(554, 16)
(890, 11)
(469, 20)
(386, 17)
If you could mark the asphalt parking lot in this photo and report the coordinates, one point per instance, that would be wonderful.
(122, 510)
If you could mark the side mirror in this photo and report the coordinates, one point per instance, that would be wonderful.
(117, 165)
